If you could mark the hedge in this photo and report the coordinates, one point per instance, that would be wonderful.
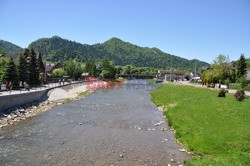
(237, 86)
(234, 86)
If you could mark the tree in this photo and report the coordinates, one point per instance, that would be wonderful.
(26, 55)
(3, 52)
(11, 72)
(210, 76)
(22, 69)
(73, 69)
(3, 66)
(241, 67)
(58, 73)
(33, 69)
(223, 68)
(90, 67)
(108, 69)
(105, 64)
(40, 63)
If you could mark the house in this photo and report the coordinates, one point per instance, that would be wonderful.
(205, 68)
(84, 75)
(50, 67)
(170, 74)
(195, 75)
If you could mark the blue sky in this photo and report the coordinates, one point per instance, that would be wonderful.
(200, 29)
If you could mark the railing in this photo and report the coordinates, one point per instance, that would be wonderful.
(50, 84)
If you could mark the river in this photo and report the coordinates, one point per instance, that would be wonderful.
(109, 127)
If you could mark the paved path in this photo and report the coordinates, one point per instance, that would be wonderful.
(232, 91)
(111, 127)
(33, 89)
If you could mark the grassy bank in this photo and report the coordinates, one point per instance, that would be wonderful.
(215, 129)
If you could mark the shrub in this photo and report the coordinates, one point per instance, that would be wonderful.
(237, 86)
(239, 95)
(247, 88)
(234, 86)
(227, 82)
(222, 93)
(242, 81)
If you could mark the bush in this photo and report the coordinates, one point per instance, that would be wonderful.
(234, 86)
(238, 87)
(240, 95)
(242, 81)
(222, 93)
(227, 82)
(247, 88)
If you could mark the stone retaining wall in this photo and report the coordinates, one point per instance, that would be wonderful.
(11, 101)
(16, 100)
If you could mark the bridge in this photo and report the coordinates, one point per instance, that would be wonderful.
(137, 75)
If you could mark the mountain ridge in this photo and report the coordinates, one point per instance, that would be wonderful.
(57, 49)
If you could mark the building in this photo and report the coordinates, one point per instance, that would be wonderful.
(50, 67)
(84, 75)
(195, 76)
(205, 68)
(170, 75)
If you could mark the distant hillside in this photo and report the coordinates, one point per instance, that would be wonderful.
(122, 53)
(9, 49)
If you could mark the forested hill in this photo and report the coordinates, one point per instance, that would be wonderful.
(9, 48)
(122, 53)
(126, 53)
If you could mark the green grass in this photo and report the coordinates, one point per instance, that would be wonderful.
(84, 93)
(216, 129)
(67, 100)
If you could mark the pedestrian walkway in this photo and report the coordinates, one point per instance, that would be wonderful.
(232, 91)
(37, 88)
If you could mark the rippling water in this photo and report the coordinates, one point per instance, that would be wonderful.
(110, 127)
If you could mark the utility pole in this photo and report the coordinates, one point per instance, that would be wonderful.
(171, 70)
(195, 72)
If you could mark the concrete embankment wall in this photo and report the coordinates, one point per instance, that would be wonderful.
(17, 100)
(11, 101)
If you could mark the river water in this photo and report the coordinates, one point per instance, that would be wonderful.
(110, 127)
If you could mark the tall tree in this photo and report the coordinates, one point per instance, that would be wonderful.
(33, 69)
(223, 67)
(40, 63)
(241, 66)
(73, 69)
(11, 72)
(108, 69)
(22, 69)
(3, 66)
(26, 56)
(90, 67)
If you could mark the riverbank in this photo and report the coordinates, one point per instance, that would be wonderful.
(215, 129)
(57, 96)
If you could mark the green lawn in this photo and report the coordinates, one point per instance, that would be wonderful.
(216, 129)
